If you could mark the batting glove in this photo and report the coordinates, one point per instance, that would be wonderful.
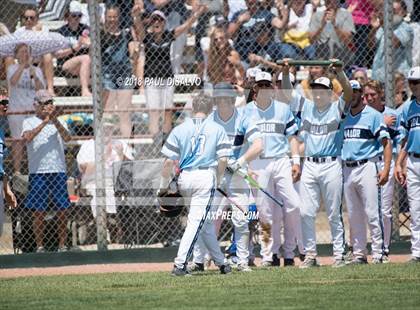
(236, 165)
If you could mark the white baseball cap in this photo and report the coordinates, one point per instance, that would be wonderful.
(252, 72)
(414, 74)
(75, 7)
(323, 81)
(158, 13)
(291, 77)
(263, 76)
(355, 85)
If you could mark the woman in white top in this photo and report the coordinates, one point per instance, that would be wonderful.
(23, 81)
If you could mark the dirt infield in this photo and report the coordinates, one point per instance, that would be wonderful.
(132, 267)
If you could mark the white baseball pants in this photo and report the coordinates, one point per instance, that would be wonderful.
(387, 200)
(1, 207)
(275, 177)
(239, 193)
(322, 181)
(197, 187)
(413, 190)
(363, 199)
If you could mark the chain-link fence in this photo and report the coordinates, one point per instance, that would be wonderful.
(126, 74)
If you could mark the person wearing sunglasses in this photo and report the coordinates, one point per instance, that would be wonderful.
(6, 194)
(75, 60)
(407, 167)
(44, 135)
(275, 172)
(30, 21)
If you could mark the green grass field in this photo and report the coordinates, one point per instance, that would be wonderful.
(393, 286)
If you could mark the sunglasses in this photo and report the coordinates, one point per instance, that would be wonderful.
(4, 102)
(29, 17)
(46, 102)
(76, 15)
(414, 82)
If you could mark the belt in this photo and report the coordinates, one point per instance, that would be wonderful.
(357, 163)
(198, 168)
(415, 155)
(320, 160)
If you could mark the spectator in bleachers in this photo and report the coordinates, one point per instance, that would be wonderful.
(400, 89)
(30, 20)
(125, 7)
(5, 62)
(242, 25)
(44, 135)
(361, 12)
(360, 74)
(12, 9)
(296, 37)
(402, 42)
(114, 151)
(157, 48)
(75, 60)
(6, 193)
(120, 54)
(316, 72)
(224, 63)
(415, 25)
(332, 33)
(23, 80)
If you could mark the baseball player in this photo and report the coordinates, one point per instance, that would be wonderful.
(241, 132)
(373, 96)
(366, 144)
(320, 128)
(275, 172)
(202, 148)
(409, 157)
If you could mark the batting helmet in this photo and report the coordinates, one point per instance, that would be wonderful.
(170, 203)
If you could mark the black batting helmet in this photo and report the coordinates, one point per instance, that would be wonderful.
(170, 204)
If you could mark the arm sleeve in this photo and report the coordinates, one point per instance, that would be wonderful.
(251, 130)
(171, 148)
(291, 126)
(224, 147)
(379, 129)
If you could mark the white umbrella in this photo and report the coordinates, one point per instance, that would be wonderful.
(40, 42)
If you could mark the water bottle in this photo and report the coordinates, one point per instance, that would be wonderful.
(18, 227)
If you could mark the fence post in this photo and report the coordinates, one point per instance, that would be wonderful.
(389, 98)
(96, 83)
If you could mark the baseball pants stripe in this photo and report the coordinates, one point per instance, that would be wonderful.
(380, 207)
(387, 202)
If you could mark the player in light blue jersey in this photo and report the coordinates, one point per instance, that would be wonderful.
(241, 132)
(366, 141)
(373, 94)
(202, 148)
(275, 172)
(409, 157)
(322, 179)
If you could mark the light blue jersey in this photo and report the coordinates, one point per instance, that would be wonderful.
(363, 134)
(240, 129)
(213, 144)
(410, 126)
(3, 122)
(276, 124)
(322, 132)
(393, 130)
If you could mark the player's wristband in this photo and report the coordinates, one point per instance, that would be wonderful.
(296, 160)
(242, 162)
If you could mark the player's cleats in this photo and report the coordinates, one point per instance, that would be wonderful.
(276, 261)
(225, 269)
(251, 262)
(385, 259)
(180, 272)
(414, 260)
(244, 268)
(41, 249)
(266, 264)
(358, 261)
(339, 262)
(289, 262)
(195, 267)
(376, 261)
(309, 263)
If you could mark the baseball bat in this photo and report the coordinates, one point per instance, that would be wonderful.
(221, 191)
(255, 184)
(310, 62)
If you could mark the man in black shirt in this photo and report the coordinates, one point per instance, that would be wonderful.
(75, 60)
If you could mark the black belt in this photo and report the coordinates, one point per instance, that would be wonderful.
(357, 163)
(320, 160)
(199, 168)
(415, 155)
